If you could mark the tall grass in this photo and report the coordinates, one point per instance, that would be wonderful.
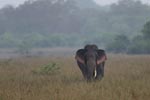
(126, 78)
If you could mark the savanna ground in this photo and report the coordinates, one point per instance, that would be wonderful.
(127, 77)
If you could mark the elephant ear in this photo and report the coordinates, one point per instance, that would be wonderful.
(80, 55)
(101, 56)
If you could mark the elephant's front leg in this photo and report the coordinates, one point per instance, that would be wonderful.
(100, 71)
(83, 69)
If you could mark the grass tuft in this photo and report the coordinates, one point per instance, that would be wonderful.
(48, 69)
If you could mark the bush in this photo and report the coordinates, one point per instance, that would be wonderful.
(48, 69)
(139, 45)
(119, 45)
(24, 48)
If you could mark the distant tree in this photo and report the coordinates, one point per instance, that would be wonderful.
(6, 16)
(141, 44)
(146, 30)
(130, 7)
(137, 46)
(146, 36)
(24, 48)
(119, 45)
(128, 16)
(53, 22)
(86, 4)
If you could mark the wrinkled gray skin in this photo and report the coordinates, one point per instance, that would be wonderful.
(87, 59)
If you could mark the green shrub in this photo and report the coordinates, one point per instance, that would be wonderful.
(48, 69)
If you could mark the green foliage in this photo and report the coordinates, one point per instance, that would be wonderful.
(68, 17)
(43, 23)
(140, 44)
(146, 30)
(7, 40)
(119, 44)
(48, 69)
(137, 46)
(24, 48)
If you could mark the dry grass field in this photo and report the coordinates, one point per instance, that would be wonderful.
(126, 78)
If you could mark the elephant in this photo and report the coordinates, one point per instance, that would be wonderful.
(91, 62)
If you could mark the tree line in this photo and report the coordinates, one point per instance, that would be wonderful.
(51, 23)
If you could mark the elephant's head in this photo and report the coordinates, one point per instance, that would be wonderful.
(90, 56)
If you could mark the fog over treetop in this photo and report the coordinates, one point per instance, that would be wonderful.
(45, 23)
(18, 2)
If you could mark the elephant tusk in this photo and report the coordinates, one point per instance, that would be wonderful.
(95, 73)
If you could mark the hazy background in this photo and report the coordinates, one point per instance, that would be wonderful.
(100, 2)
(36, 25)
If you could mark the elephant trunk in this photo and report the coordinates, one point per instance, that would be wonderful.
(91, 68)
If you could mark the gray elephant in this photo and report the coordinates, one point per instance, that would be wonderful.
(91, 61)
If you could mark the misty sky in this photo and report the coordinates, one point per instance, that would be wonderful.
(105, 2)
(17, 2)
